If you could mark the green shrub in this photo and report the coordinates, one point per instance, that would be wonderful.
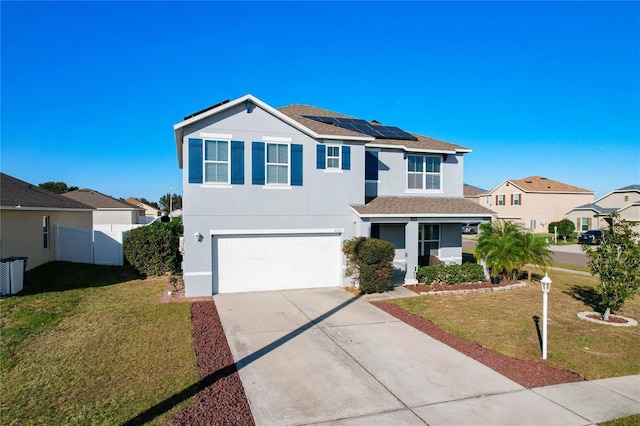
(370, 260)
(565, 228)
(154, 249)
(450, 274)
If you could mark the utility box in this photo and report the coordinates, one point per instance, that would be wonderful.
(12, 275)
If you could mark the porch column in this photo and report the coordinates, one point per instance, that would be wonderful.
(411, 250)
(363, 228)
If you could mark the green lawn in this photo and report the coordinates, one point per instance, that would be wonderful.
(504, 322)
(88, 344)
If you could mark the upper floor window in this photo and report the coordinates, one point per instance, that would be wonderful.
(277, 163)
(500, 200)
(333, 157)
(216, 161)
(515, 199)
(424, 172)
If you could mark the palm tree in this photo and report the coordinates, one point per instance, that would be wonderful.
(536, 252)
(501, 246)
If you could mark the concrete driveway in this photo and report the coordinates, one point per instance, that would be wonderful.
(323, 356)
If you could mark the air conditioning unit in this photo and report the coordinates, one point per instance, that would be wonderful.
(12, 275)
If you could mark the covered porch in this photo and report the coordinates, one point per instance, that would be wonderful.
(424, 230)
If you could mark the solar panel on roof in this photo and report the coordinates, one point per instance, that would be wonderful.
(364, 127)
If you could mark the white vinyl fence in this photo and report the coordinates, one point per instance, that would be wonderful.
(100, 246)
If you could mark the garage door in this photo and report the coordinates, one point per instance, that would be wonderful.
(275, 262)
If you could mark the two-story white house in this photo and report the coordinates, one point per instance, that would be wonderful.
(270, 195)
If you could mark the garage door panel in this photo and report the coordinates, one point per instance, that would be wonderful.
(275, 262)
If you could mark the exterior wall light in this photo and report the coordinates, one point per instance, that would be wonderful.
(198, 236)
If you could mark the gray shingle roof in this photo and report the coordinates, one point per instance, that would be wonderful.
(415, 206)
(15, 192)
(98, 200)
(596, 208)
(296, 112)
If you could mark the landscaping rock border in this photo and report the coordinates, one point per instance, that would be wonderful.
(627, 322)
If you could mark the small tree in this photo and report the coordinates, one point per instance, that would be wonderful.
(565, 227)
(507, 247)
(535, 252)
(500, 245)
(616, 262)
(369, 260)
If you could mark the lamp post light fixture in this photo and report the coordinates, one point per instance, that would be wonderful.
(545, 284)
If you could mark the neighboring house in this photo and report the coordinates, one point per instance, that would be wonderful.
(149, 211)
(29, 217)
(625, 201)
(473, 193)
(270, 195)
(175, 213)
(108, 210)
(534, 201)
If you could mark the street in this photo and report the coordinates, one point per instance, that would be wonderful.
(568, 255)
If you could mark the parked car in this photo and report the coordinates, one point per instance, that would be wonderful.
(470, 228)
(590, 237)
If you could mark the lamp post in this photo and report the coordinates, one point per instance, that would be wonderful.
(545, 283)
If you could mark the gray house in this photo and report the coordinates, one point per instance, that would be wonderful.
(269, 196)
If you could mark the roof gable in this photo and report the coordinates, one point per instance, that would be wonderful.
(98, 200)
(542, 184)
(16, 193)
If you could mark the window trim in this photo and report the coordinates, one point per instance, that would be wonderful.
(205, 161)
(424, 174)
(267, 164)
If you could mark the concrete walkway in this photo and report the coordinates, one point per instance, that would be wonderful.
(323, 356)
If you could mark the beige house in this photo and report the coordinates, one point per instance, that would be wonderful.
(108, 210)
(149, 211)
(625, 201)
(29, 216)
(534, 201)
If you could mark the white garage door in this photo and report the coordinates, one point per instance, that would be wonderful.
(275, 262)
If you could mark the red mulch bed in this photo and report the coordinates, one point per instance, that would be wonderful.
(612, 319)
(220, 399)
(526, 373)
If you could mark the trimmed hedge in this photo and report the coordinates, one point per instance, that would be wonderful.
(450, 274)
(370, 259)
(154, 249)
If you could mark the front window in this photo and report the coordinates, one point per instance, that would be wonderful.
(333, 157)
(516, 199)
(428, 240)
(216, 161)
(585, 224)
(424, 172)
(500, 200)
(277, 163)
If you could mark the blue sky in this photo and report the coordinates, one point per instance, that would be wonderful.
(90, 90)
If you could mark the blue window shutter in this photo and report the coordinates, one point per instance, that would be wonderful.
(237, 163)
(195, 160)
(371, 165)
(257, 163)
(346, 158)
(321, 157)
(296, 165)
